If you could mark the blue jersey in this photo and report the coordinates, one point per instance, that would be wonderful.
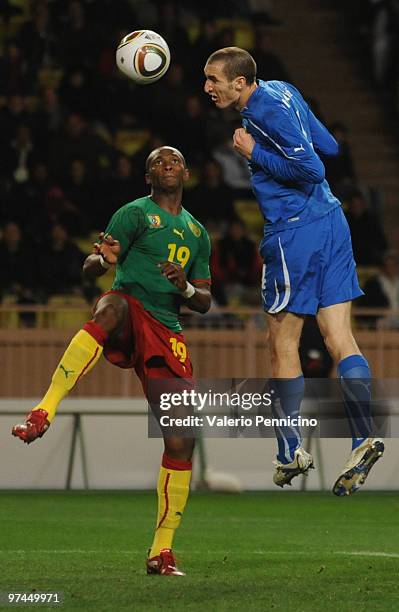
(288, 177)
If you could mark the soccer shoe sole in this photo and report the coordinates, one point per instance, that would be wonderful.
(290, 473)
(151, 572)
(349, 482)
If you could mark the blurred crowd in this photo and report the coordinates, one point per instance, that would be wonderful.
(75, 133)
(375, 27)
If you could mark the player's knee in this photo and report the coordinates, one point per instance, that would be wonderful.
(280, 347)
(179, 448)
(111, 312)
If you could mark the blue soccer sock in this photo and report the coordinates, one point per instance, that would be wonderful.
(290, 392)
(355, 378)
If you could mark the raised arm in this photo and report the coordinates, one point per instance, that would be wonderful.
(105, 255)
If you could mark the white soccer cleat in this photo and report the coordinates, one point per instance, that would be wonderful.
(358, 466)
(285, 472)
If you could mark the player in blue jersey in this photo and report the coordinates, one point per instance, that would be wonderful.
(309, 267)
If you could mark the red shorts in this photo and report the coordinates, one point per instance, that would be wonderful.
(148, 346)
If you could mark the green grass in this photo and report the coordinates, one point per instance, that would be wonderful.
(256, 551)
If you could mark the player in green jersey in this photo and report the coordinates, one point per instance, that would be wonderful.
(161, 258)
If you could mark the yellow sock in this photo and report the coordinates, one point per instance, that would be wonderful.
(173, 489)
(81, 355)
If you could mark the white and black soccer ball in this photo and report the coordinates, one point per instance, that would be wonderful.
(143, 56)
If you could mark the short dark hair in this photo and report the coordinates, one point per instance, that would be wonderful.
(236, 62)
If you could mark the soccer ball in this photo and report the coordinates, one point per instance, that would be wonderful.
(143, 56)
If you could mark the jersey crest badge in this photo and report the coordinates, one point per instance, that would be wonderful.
(195, 229)
(155, 220)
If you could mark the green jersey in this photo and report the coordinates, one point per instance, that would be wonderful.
(149, 235)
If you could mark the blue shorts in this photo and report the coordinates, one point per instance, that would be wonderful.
(309, 267)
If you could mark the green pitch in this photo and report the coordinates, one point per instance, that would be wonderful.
(256, 551)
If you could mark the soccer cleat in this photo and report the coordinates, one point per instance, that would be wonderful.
(358, 466)
(285, 472)
(163, 564)
(36, 424)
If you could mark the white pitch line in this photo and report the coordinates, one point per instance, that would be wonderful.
(348, 553)
(355, 553)
(367, 553)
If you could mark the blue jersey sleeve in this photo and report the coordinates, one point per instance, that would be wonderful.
(323, 141)
(287, 170)
(293, 158)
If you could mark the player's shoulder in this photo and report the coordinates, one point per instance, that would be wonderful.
(137, 204)
(277, 102)
(276, 91)
(195, 226)
(130, 215)
(134, 211)
(267, 100)
(273, 87)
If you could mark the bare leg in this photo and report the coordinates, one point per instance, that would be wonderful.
(335, 327)
(284, 333)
